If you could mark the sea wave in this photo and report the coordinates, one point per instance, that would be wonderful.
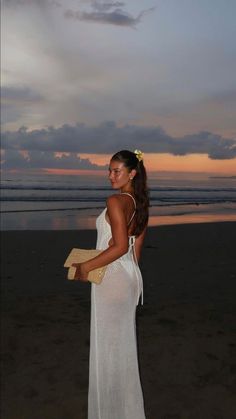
(107, 189)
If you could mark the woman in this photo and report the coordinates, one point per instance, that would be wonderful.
(114, 384)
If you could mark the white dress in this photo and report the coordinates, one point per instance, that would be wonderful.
(114, 383)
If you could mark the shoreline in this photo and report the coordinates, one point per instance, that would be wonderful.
(89, 223)
(152, 226)
(185, 329)
(71, 219)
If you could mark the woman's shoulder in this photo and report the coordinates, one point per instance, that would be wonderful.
(118, 199)
(114, 199)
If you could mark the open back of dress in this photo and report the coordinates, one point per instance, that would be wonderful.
(114, 383)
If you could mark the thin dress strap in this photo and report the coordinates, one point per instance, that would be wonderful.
(127, 193)
(132, 248)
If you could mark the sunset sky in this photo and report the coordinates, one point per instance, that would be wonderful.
(83, 79)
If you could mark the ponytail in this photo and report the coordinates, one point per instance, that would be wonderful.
(139, 182)
(142, 199)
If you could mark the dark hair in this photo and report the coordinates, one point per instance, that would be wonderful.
(139, 183)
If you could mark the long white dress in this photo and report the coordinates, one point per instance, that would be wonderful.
(114, 383)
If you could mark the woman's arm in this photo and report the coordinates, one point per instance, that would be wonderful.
(119, 246)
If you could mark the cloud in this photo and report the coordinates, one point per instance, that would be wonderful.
(14, 3)
(225, 98)
(20, 94)
(108, 138)
(34, 159)
(104, 7)
(102, 13)
(40, 3)
(17, 101)
(55, 3)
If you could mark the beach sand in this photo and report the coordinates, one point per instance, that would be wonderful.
(185, 329)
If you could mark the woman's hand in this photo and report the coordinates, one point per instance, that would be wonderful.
(81, 273)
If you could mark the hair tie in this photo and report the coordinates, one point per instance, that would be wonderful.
(138, 154)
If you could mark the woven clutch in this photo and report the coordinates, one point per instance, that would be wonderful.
(80, 256)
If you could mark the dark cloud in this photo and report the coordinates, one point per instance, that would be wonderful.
(13, 159)
(19, 94)
(108, 138)
(40, 3)
(102, 13)
(10, 113)
(14, 3)
(16, 101)
(10, 3)
(104, 7)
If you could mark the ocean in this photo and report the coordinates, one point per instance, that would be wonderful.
(70, 202)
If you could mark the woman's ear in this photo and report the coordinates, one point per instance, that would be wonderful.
(132, 173)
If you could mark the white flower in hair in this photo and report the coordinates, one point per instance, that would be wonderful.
(138, 154)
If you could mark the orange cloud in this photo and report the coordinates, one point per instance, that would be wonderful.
(169, 162)
(73, 172)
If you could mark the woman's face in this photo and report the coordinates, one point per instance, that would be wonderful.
(119, 175)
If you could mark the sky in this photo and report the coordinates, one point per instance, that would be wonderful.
(84, 79)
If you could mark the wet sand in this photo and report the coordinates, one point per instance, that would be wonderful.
(185, 329)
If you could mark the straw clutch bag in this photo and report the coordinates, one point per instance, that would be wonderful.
(80, 256)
